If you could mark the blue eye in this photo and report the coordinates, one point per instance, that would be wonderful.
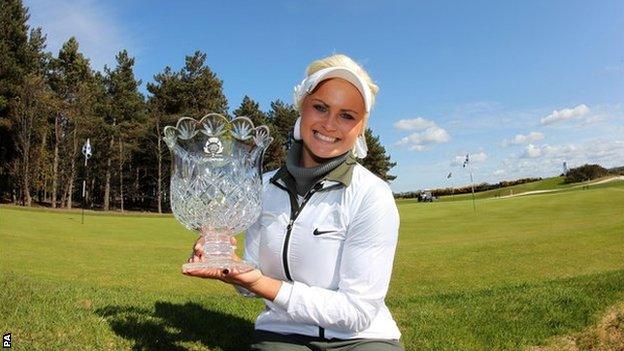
(346, 116)
(320, 108)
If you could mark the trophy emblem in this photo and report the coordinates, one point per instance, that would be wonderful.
(213, 147)
(216, 182)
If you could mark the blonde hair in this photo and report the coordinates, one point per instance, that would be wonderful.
(340, 60)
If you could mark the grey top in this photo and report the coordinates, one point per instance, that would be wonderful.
(307, 177)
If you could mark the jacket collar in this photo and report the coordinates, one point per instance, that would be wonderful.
(341, 174)
(344, 172)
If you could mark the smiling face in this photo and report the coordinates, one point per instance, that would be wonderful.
(332, 117)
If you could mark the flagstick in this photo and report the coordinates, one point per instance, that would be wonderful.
(452, 191)
(474, 207)
(452, 185)
(84, 188)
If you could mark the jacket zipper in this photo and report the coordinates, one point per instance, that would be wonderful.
(284, 254)
(295, 210)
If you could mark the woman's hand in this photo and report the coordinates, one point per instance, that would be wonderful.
(246, 279)
(233, 276)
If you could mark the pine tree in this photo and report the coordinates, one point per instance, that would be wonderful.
(22, 89)
(282, 118)
(13, 65)
(251, 109)
(377, 161)
(163, 107)
(72, 80)
(29, 122)
(201, 90)
(127, 114)
(97, 129)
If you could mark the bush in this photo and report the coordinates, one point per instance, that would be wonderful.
(584, 173)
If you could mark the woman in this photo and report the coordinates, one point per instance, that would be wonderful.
(325, 242)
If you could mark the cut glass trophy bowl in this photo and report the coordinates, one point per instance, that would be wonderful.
(216, 182)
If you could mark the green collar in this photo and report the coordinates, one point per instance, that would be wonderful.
(344, 172)
(341, 174)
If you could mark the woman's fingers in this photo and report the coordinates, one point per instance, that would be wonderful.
(233, 243)
(198, 246)
(198, 249)
(209, 273)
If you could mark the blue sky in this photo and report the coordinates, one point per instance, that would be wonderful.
(521, 86)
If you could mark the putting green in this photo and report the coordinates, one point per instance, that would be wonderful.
(516, 272)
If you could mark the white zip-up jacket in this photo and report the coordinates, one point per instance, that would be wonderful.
(333, 249)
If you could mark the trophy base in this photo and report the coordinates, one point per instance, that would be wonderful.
(220, 264)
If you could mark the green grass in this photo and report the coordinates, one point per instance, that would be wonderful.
(516, 273)
(554, 183)
(544, 184)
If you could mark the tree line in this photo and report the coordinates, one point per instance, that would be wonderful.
(50, 105)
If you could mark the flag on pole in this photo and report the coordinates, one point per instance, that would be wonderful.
(87, 152)
(86, 149)
(449, 175)
(467, 162)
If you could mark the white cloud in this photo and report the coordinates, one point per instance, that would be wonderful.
(94, 24)
(559, 151)
(547, 160)
(531, 151)
(427, 132)
(478, 157)
(605, 114)
(575, 142)
(535, 151)
(432, 135)
(417, 123)
(565, 114)
(521, 139)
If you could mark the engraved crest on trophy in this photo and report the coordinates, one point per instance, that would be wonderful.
(216, 182)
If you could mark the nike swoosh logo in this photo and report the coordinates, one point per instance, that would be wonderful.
(318, 232)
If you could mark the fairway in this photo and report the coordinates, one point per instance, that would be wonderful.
(515, 273)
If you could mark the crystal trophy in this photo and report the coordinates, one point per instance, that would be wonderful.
(216, 181)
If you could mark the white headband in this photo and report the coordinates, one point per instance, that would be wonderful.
(309, 83)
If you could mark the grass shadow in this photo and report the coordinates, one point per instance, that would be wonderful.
(173, 326)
